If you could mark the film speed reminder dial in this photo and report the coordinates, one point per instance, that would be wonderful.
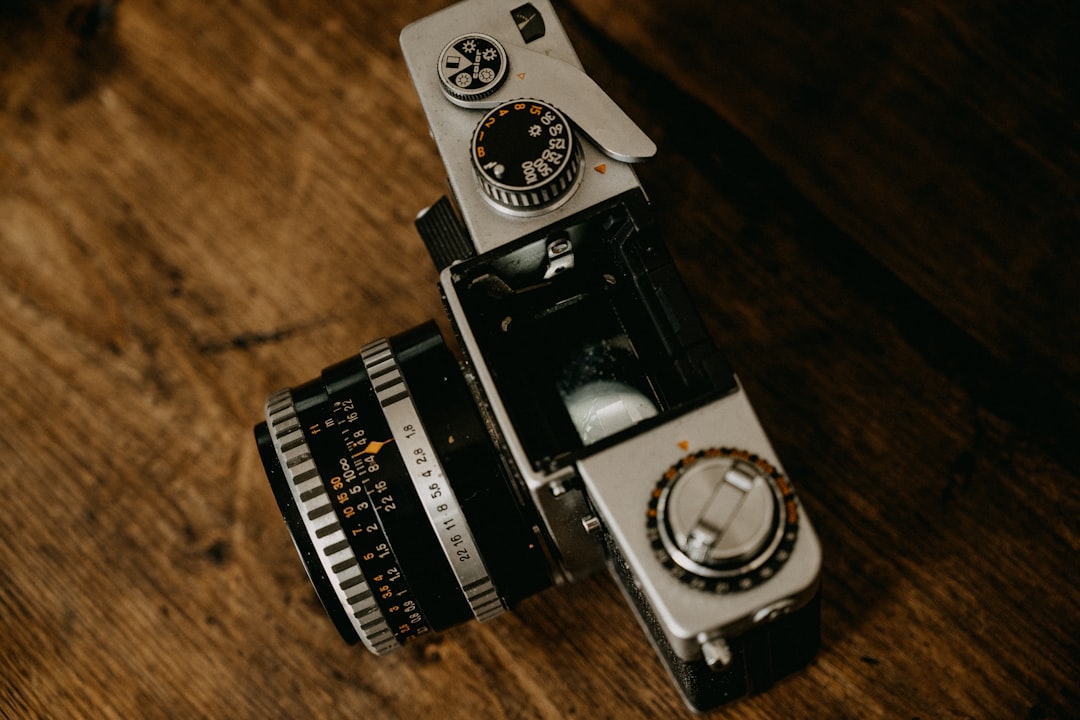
(525, 155)
(723, 520)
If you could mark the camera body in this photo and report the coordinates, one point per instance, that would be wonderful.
(592, 423)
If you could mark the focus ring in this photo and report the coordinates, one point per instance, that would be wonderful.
(335, 554)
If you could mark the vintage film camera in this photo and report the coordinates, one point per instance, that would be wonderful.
(592, 422)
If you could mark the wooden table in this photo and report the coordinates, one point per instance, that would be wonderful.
(876, 209)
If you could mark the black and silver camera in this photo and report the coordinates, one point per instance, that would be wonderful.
(592, 422)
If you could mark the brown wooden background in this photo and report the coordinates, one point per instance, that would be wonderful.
(875, 206)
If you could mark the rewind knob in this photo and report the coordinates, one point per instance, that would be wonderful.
(723, 519)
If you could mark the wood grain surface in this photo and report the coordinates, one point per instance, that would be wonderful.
(876, 207)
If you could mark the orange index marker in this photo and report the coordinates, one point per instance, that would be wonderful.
(601, 168)
(375, 446)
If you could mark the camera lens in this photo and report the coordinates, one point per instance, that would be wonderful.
(396, 499)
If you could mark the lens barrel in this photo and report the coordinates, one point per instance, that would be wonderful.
(396, 499)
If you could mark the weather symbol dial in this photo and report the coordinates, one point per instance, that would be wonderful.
(723, 520)
(472, 66)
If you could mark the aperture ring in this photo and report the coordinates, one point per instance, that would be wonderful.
(335, 553)
(430, 482)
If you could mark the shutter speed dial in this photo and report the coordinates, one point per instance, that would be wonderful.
(723, 520)
(525, 156)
